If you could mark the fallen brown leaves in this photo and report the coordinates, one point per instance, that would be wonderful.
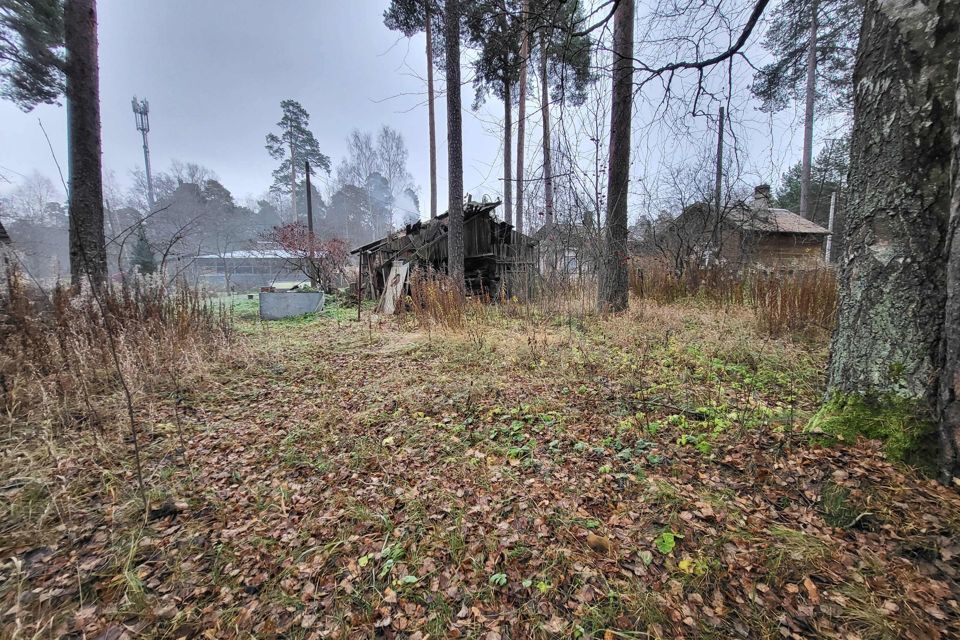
(634, 479)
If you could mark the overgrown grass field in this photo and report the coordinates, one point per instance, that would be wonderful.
(523, 475)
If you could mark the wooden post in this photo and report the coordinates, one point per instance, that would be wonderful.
(359, 286)
(829, 243)
(313, 269)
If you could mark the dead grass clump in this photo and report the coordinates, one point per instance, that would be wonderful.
(437, 301)
(57, 362)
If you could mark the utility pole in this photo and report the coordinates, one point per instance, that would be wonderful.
(313, 271)
(718, 187)
(141, 113)
(717, 196)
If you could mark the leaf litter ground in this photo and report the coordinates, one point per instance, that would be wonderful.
(640, 477)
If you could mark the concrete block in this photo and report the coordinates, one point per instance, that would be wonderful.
(287, 304)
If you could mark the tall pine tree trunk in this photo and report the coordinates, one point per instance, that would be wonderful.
(613, 287)
(507, 152)
(948, 400)
(428, 29)
(893, 274)
(522, 113)
(88, 255)
(545, 113)
(293, 180)
(455, 250)
(811, 96)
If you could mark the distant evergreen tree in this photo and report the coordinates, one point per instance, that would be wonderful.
(214, 192)
(814, 45)
(494, 29)
(142, 258)
(411, 17)
(828, 176)
(295, 144)
(565, 61)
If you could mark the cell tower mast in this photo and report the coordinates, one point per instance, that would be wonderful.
(141, 112)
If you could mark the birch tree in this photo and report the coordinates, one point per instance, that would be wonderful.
(897, 340)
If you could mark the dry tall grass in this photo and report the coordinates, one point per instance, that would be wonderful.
(802, 302)
(57, 363)
(798, 302)
(795, 303)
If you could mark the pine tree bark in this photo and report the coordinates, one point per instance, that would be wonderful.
(545, 114)
(613, 287)
(507, 152)
(428, 30)
(455, 250)
(522, 113)
(948, 400)
(806, 163)
(88, 255)
(894, 270)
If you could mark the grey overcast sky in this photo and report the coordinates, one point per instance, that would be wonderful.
(215, 73)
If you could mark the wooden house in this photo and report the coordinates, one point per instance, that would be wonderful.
(753, 234)
(499, 261)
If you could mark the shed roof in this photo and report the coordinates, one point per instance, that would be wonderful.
(438, 224)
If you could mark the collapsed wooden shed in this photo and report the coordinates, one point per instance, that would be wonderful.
(499, 261)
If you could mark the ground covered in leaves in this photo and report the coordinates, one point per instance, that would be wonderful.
(638, 477)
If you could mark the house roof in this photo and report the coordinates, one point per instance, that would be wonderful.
(772, 220)
(4, 236)
(756, 215)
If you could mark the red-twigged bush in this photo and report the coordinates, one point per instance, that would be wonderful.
(320, 260)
